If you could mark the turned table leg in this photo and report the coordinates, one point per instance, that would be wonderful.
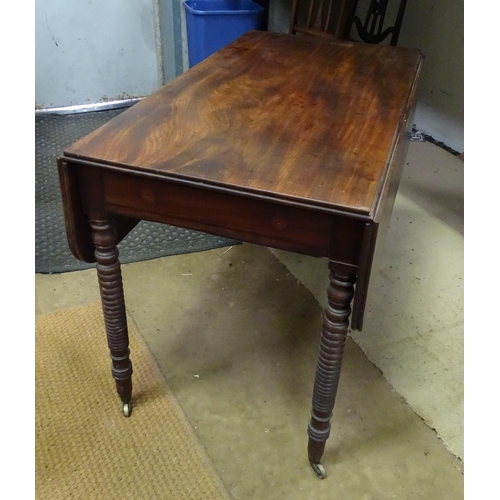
(333, 336)
(113, 306)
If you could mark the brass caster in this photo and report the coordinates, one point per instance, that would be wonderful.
(319, 470)
(127, 409)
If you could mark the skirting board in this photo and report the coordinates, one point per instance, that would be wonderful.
(83, 108)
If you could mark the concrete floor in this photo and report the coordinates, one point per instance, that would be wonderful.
(236, 335)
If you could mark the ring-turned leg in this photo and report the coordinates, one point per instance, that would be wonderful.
(113, 306)
(333, 336)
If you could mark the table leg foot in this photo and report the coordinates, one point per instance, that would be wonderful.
(113, 306)
(127, 409)
(333, 337)
(319, 470)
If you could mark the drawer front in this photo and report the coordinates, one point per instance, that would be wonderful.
(222, 213)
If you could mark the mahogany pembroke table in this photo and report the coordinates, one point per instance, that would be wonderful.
(286, 141)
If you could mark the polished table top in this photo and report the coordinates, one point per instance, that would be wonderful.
(300, 119)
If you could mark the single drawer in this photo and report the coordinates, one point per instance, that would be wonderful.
(223, 213)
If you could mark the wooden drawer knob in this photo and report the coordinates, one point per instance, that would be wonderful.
(279, 223)
(147, 195)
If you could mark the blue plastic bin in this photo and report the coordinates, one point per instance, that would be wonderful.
(212, 24)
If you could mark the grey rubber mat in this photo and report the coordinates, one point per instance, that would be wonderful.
(148, 240)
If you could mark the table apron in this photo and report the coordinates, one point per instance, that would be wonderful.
(268, 223)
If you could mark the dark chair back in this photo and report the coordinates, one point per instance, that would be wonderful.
(335, 18)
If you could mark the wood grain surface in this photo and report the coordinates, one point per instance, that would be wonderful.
(297, 117)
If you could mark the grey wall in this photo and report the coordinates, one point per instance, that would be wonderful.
(89, 51)
(437, 29)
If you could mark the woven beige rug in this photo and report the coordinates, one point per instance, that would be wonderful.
(85, 448)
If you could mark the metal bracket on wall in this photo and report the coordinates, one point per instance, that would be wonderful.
(417, 136)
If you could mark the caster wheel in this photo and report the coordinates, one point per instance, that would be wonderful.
(319, 470)
(127, 409)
